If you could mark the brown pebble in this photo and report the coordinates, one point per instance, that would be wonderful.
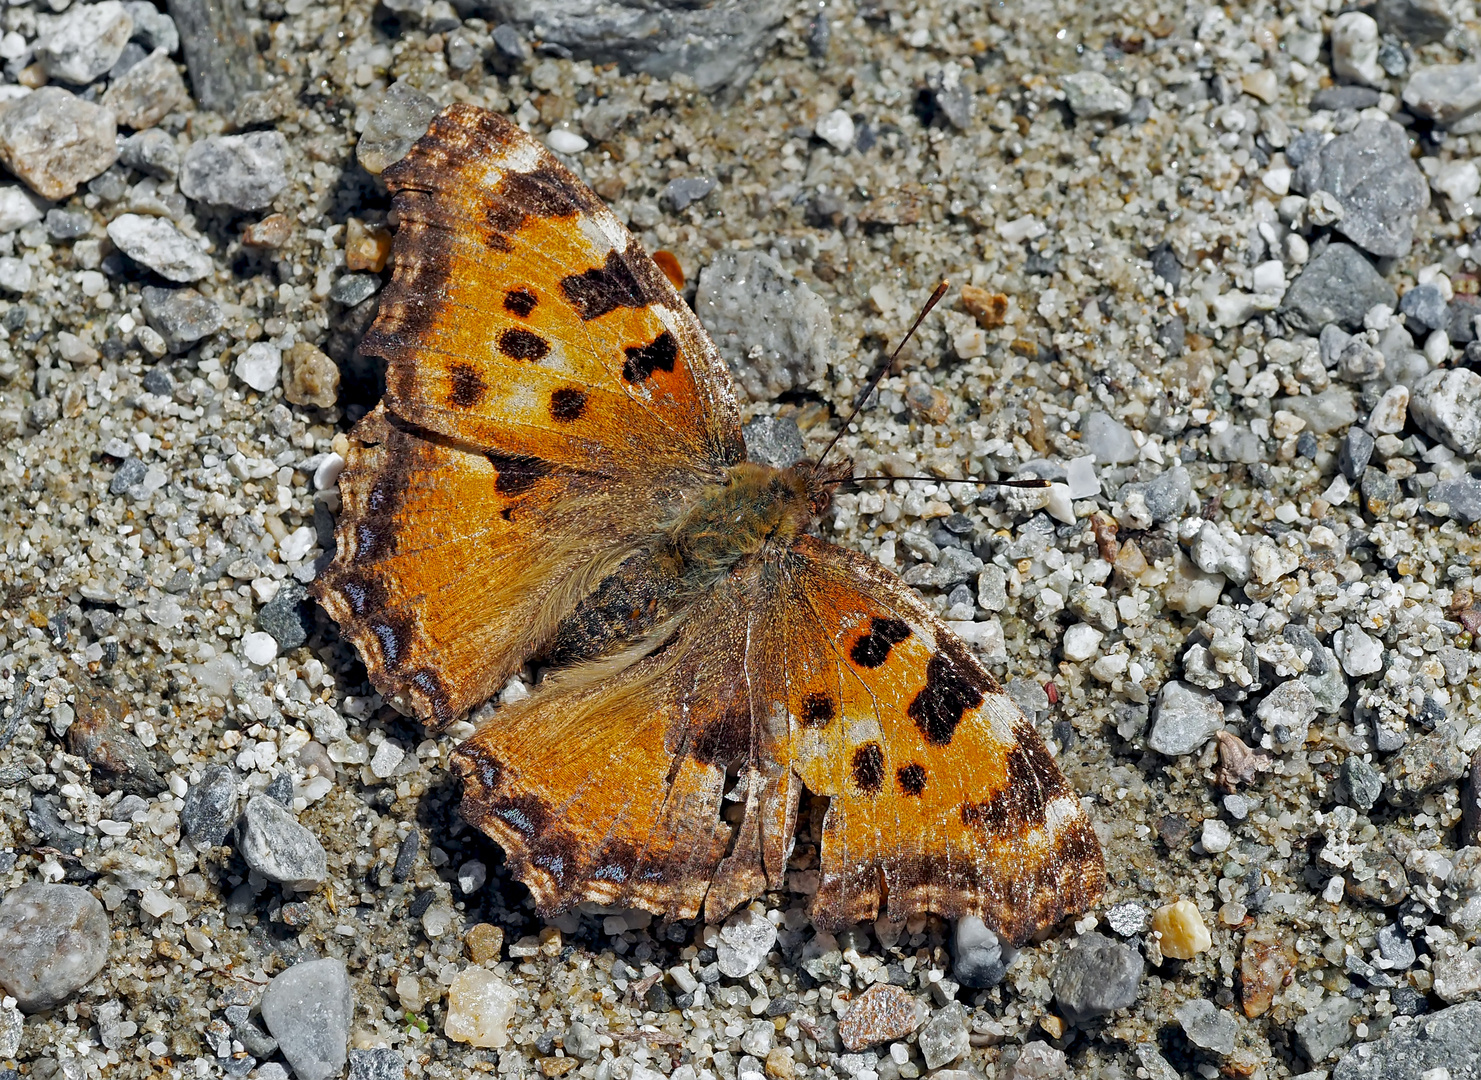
(98, 736)
(902, 206)
(883, 1012)
(779, 1064)
(990, 309)
(1053, 1026)
(1104, 527)
(557, 1066)
(484, 942)
(1173, 830)
(1238, 763)
(309, 377)
(271, 232)
(1376, 877)
(366, 246)
(928, 403)
(1266, 962)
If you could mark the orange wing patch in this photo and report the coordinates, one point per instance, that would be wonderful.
(524, 317)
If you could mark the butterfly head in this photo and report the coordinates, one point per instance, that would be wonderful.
(819, 480)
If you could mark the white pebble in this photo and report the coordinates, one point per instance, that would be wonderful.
(1332, 894)
(297, 544)
(1358, 653)
(565, 142)
(1277, 180)
(260, 648)
(327, 474)
(387, 757)
(1270, 277)
(836, 129)
(479, 1008)
(1437, 347)
(1081, 479)
(1389, 414)
(258, 366)
(1216, 836)
(1081, 642)
(1059, 504)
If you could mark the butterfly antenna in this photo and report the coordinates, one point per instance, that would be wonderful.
(884, 367)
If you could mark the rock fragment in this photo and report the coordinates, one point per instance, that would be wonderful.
(156, 243)
(308, 1008)
(53, 942)
(882, 1013)
(1097, 976)
(244, 172)
(401, 118)
(280, 849)
(180, 316)
(480, 1006)
(146, 93)
(84, 42)
(54, 140)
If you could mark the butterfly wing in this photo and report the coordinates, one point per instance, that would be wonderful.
(816, 668)
(548, 400)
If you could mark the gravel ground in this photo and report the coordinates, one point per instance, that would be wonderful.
(1214, 277)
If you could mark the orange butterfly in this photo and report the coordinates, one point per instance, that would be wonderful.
(557, 472)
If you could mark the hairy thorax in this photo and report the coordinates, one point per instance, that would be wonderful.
(756, 507)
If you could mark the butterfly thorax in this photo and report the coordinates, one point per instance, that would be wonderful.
(755, 508)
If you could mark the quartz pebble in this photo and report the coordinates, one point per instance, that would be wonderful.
(944, 1037)
(399, 120)
(745, 939)
(258, 366)
(54, 140)
(180, 316)
(1181, 930)
(1447, 405)
(259, 648)
(157, 244)
(1183, 719)
(1358, 652)
(1444, 1043)
(1090, 94)
(1097, 976)
(1207, 1026)
(18, 207)
(1444, 93)
(245, 172)
(308, 1008)
(1325, 1028)
(480, 1006)
(684, 191)
(53, 941)
(836, 129)
(280, 849)
(84, 42)
(981, 958)
(12, 1028)
(879, 1014)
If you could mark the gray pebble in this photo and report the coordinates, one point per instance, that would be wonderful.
(308, 1009)
(980, 958)
(1336, 98)
(50, 166)
(46, 821)
(67, 224)
(127, 60)
(1107, 439)
(772, 329)
(1462, 326)
(582, 1042)
(254, 1040)
(1380, 189)
(1354, 453)
(280, 789)
(156, 243)
(1166, 494)
(1462, 495)
(1236, 443)
(401, 118)
(1338, 286)
(381, 1063)
(1325, 1028)
(210, 808)
(130, 472)
(152, 27)
(510, 44)
(992, 588)
(684, 191)
(1361, 783)
(245, 172)
(1090, 94)
(286, 616)
(774, 441)
(1183, 719)
(148, 92)
(350, 289)
(1287, 713)
(180, 316)
(1446, 404)
(944, 1037)
(53, 941)
(1380, 491)
(1331, 410)
(1444, 93)
(1207, 1026)
(953, 100)
(152, 153)
(1424, 306)
(280, 849)
(1098, 976)
(1425, 765)
(85, 42)
(1419, 22)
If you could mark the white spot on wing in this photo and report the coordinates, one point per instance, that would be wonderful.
(600, 242)
(521, 155)
(1060, 812)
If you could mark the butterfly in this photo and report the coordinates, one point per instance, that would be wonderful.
(556, 473)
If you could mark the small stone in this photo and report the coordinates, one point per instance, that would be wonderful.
(1107, 439)
(1355, 49)
(1183, 719)
(147, 93)
(953, 99)
(1331, 410)
(152, 27)
(1425, 765)
(1380, 190)
(774, 332)
(1444, 93)
(1216, 836)
(350, 289)
(308, 1008)
(745, 939)
(1358, 653)
(1380, 491)
(1395, 948)
(880, 1014)
(367, 247)
(1355, 453)
(1326, 1028)
(944, 1037)
(258, 366)
(401, 118)
(156, 243)
(210, 808)
(836, 129)
(1424, 306)
(54, 140)
(1446, 404)
(1097, 976)
(180, 316)
(99, 735)
(775, 441)
(85, 42)
(1335, 98)
(1127, 918)
(1080, 642)
(152, 153)
(1038, 1061)
(18, 208)
(1267, 960)
(280, 849)
(259, 648)
(1287, 713)
(1388, 416)
(1419, 22)
(1462, 497)
(683, 191)
(582, 1043)
(12, 1028)
(245, 172)
(286, 616)
(1362, 784)
(272, 231)
(53, 941)
(980, 957)
(381, 1063)
(1090, 94)
(388, 757)
(309, 376)
(480, 1006)
(1443, 1044)
(1183, 934)
(484, 942)
(1376, 877)
(1207, 1026)
(1338, 286)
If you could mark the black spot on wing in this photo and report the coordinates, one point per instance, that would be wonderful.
(567, 404)
(642, 361)
(476, 762)
(725, 738)
(1032, 782)
(873, 647)
(468, 387)
(818, 711)
(517, 343)
(517, 474)
(606, 288)
(868, 768)
(520, 302)
(911, 778)
(543, 193)
(954, 685)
